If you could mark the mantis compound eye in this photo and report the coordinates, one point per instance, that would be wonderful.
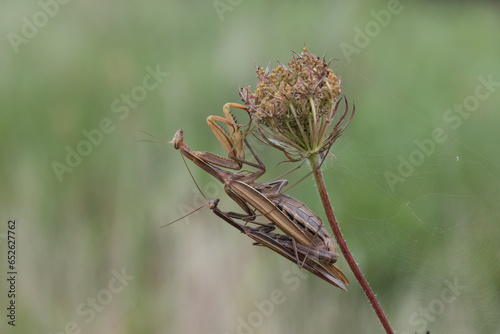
(178, 139)
(213, 203)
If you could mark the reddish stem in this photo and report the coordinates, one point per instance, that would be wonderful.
(318, 177)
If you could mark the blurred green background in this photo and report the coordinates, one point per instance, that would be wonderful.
(428, 245)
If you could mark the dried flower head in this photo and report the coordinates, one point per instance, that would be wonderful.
(294, 106)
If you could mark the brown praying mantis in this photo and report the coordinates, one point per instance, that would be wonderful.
(306, 237)
(284, 245)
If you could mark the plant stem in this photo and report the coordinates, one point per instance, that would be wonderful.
(318, 177)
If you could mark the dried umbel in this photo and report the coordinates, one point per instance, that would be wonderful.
(295, 106)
